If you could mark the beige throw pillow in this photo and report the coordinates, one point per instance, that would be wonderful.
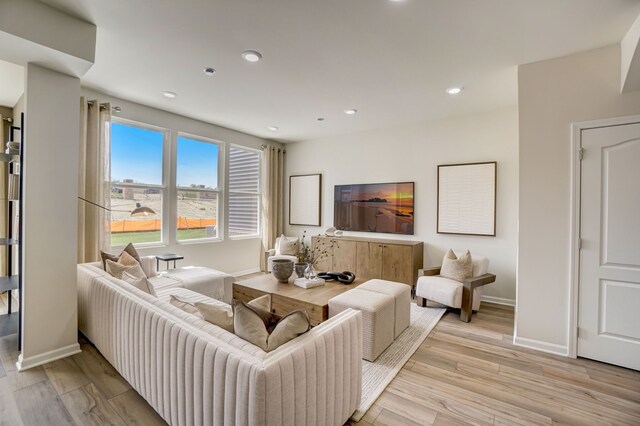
(250, 325)
(129, 249)
(117, 269)
(141, 283)
(216, 312)
(185, 304)
(457, 268)
(287, 246)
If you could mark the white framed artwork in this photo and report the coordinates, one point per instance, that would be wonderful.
(305, 203)
(467, 199)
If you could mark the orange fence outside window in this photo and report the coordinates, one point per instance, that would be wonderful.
(155, 224)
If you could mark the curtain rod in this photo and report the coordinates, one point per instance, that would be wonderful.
(103, 105)
(284, 151)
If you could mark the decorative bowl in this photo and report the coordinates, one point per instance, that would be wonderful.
(282, 269)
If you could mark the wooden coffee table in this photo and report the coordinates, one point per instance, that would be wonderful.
(288, 297)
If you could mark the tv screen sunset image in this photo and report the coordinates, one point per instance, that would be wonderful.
(385, 207)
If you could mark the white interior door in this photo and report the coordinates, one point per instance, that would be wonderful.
(609, 289)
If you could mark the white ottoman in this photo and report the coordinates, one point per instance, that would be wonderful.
(377, 318)
(402, 297)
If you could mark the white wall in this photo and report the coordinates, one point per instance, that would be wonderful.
(552, 95)
(412, 153)
(50, 181)
(231, 256)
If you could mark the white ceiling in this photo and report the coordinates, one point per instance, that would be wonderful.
(390, 60)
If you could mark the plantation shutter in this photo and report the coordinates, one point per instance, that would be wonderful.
(244, 192)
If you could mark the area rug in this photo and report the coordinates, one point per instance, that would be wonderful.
(377, 375)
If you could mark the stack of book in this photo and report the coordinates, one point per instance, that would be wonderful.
(305, 283)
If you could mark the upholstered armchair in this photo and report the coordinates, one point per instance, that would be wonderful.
(463, 295)
(284, 248)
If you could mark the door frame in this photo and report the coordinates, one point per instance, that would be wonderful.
(574, 243)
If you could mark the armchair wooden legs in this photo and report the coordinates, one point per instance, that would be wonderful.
(468, 287)
(421, 301)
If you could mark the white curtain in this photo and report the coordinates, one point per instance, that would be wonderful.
(272, 198)
(92, 221)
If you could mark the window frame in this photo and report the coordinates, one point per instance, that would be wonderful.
(219, 191)
(109, 184)
(258, 233)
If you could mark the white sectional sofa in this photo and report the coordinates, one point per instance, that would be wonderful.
(195, 373)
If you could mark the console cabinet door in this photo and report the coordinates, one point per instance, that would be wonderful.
(344, 255)
(397, 263)
(368, 260)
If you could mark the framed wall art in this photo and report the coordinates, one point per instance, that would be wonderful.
(305, 203)
(467, 199)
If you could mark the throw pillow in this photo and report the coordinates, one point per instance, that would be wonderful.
(184, 304)
(457, 268)
(117, 269)
(130, 249)
(287, 246)
(141, 283)
(219, 313)
(249, 325)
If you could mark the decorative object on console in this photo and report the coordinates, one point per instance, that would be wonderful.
(305, 202)
(330, 231)
(467, 199)
(384, 207)
(282, 269)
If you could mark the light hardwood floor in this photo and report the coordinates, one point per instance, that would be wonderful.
(462, 374)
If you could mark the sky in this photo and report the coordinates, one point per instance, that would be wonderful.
(137, 154)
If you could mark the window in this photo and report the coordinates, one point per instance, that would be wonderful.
(136, 177)
(244, 192)
(197, 188)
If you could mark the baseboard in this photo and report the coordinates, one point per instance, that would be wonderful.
(34, 361)
(498, 300)
(246, 272)
(538, 345)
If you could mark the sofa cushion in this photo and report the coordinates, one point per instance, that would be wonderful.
(184, 303)
(252, 325)
(457, 268)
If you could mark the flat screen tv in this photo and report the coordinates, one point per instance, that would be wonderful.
(374, 207)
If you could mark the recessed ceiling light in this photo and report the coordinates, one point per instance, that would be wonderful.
(209, 71)
(350, 111)
(320, 118)
(454, 90)
(272, 128)
(168, 94)
(251, 55)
